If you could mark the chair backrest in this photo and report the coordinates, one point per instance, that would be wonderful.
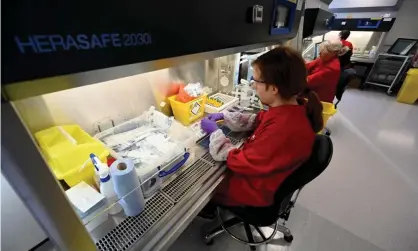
(319, 160)
(345, 60)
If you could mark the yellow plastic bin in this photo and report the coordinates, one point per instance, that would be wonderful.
(328, 111)
(67, 150)
(188, 112)
(409, 91)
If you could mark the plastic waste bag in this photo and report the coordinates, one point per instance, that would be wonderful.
(189, 92)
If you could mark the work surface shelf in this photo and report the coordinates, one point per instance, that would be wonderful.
(169, 211)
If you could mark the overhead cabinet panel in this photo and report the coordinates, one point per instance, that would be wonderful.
(43, 39)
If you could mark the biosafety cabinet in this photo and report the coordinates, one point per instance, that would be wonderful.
(98, 65)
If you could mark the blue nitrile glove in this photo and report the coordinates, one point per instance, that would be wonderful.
(216, 116)
(208, 125)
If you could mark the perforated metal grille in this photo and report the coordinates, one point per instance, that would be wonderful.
(234, 141)
(208, 158)
(237, 135)
(182, 183)
(132, 229)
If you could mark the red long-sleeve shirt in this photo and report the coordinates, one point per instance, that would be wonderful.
(348, 44)
(281, 142)
(323, 78)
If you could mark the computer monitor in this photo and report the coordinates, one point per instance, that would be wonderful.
(402, 46)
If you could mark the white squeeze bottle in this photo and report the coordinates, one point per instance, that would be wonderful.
(373, 51)
(106, 185)
(107, 189)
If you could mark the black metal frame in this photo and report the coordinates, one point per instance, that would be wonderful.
(234, 221)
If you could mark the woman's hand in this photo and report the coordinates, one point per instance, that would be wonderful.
(216, 116)
(208, 125)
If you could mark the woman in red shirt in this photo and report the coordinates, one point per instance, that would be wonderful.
(345, 60)
(324, 72)
(344, 34)
(283, 135)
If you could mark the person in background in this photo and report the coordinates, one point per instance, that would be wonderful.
(324, 72)
(344, 34)
(283, 135)
(345, 60)
(347, 70)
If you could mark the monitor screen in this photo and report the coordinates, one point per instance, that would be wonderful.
(402, 46)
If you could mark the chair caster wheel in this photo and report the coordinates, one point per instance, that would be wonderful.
(208, 242)
(288, 238)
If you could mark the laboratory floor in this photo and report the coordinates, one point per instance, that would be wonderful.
(311, 233)
(367, 199)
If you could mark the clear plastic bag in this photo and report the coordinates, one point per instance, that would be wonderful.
(154, 141)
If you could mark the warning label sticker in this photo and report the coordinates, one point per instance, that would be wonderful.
(195, 108)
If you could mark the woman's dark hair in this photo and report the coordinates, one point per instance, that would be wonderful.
(344, 34)
(285, 68)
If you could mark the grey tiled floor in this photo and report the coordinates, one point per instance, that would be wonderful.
(311, 232)
(371, 185)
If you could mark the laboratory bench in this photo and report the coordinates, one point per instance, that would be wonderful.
(170, 210)
(362, 59)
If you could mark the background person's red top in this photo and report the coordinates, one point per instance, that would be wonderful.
(348, 44)
(323, 78)
(281, 142)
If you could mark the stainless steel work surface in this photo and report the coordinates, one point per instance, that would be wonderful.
(169, 211)
(363, 60)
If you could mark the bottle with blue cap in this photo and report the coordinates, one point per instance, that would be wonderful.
(106, 185)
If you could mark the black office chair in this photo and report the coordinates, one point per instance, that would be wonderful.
(346, 77)
(284, 200)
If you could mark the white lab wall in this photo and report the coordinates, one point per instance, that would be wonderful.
(317, 39)
(19, 230)
(359, 39)
(118, 99)
(406, 24)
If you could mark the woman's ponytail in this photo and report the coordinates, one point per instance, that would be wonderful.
(314, 111)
